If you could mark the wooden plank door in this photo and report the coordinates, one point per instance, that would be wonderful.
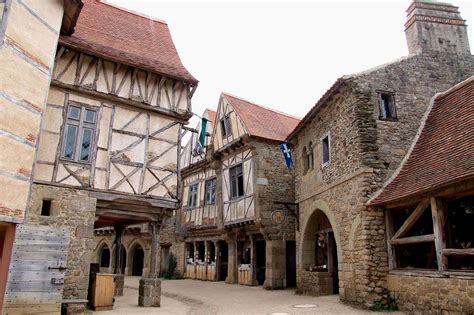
(36, 276)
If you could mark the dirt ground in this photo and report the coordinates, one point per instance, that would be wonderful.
(203, 297)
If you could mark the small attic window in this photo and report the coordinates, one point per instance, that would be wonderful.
(226, 126)
(46, 208)
(387, 110)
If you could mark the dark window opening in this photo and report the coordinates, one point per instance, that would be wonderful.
(226, 126)
(212, 252)
(193, 195)
(387, 106)
(201, 252)
(210, 191)
(46, 208)
(236, 181)
(421, 255)
(326, 150)
(105, 257)
(459, 235)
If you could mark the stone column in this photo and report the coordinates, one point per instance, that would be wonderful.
(195, 257)
(253, 260)
(232, 264)
(149, 290)
(206, 258)
(119, 277)
(275, 264)
(217, 260)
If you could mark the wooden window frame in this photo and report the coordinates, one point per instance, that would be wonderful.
(226, 126)
(234, 178)
(327, 136)
(438, 213)
(193, 196)
(81, 124)
(383, 115)
(206, 190)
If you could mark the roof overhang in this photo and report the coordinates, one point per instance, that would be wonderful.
(72, 9)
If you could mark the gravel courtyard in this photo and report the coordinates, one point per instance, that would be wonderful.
(202, 297)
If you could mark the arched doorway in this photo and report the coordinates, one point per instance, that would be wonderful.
(104, 257)
(137, 261)
(319, 256)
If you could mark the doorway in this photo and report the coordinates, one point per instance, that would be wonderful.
(290, 264)
(223, 260)
(137, 261)
(261, 261)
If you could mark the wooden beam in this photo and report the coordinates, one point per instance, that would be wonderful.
(391, 251)
(458, 252)
(412, 219)
(413, 239)
(439, 220)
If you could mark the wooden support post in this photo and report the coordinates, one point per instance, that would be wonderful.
(118, 246)
(253, 259)
(390, 249)
(154, 249)
(439, 219)
(206, 259)
(195, 258)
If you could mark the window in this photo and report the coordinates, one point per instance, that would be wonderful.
(105, 257)
(236, 181)
(46, 208)
(326, 147)
(387, 109)
(210, 191)
(310, 156)
(305, 160)
(226, 126)
(79, 133)
(193, 194)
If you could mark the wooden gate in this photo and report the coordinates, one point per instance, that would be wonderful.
(36, 275)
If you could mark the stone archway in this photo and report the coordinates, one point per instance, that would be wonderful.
(319, 253)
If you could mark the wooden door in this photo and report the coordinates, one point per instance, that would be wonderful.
(36, 277)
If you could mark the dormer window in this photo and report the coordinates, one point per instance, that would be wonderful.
(226, 126)
(387, 110)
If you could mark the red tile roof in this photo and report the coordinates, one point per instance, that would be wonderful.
(261, 121)
(117, 34)
(211, 115)
(443, 153)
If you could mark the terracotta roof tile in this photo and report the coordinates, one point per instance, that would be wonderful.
(444, 151)
(261, 121)
(111, 32)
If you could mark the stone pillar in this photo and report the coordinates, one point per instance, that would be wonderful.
(232, 264)
(195, 257)
(119, 277)
(275, 265)
(206, 258)
(149, 290)
(253, 260)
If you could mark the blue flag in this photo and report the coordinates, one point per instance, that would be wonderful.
(286, 149)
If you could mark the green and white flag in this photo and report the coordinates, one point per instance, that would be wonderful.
(202, 133)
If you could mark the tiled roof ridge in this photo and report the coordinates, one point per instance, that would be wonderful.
(375, 199)
(131, 12)
(261, 106)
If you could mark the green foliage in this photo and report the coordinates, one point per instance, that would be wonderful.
(387, 304)
(170, 273)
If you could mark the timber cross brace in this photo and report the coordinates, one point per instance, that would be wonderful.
(295, 212)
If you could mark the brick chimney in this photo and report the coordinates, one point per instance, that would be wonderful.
(435, 26)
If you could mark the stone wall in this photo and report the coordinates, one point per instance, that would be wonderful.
(315, 283)
(432, 295)
(75, 210)
(365, 151)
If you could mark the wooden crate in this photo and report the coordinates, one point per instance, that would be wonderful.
(103, 292)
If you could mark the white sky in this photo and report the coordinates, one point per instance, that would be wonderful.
(281, 54)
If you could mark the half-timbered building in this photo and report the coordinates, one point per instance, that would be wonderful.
(109, 146)
(237, 222)
(350, 142)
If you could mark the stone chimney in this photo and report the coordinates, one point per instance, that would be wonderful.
(435, 26)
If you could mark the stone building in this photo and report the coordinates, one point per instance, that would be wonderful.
(108, 147)
(429, 208)
(233, 225)
(29, 34)
(351, 142)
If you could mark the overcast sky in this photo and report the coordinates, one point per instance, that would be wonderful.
(281, 54)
